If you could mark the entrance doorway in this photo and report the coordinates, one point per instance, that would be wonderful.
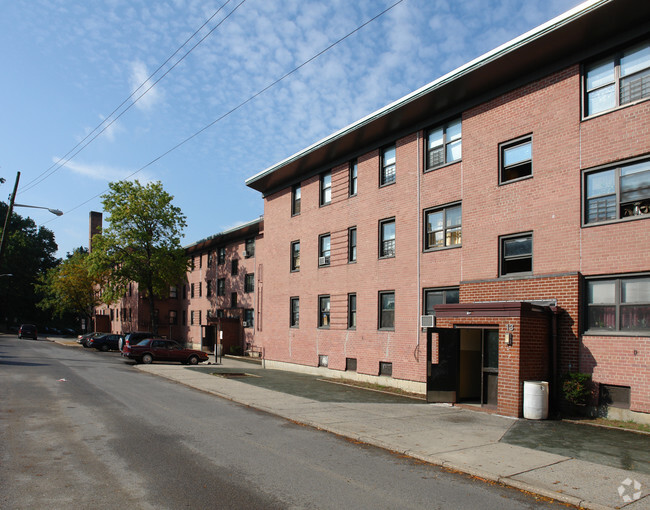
(467, 368)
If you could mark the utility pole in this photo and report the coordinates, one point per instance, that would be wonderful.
(8, 218)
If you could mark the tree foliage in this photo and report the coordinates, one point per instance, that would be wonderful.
(70, 287)
(141, 243)
(29, 253)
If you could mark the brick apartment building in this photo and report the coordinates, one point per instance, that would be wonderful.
(490, 228)
(216, 302)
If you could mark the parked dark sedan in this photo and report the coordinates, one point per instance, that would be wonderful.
(28, 331)
(156, 349)
(105, 343)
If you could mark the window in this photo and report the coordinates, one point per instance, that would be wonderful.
(192, 290)
(443, 227)
(184, 323)
(387, 310)
(250, 247)
(323, 311)
(295, 200)
(351, 364)
(221, 256)
(386, 368)
(444, 144)
(353, 178)
(295, 256)
(352, 244)
(617, 193)
(173, 292)
(516, 254)
(324, 250)
(433, 297)
(352, 311)
(233, 300)
(619, 305)
(234, 267)
(387, 238)
(200, 260)
(192, 318)
(387, 175)
(249, 316)
(208, 288)
(294, 318)
(617, 80)
(249, 282)
(200, 318)
(516, 159)
(221, 287)
(200, 289)
(184, 291)
(210, 257)
(326, 188)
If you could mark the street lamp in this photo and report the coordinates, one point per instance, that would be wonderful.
(53, 211)
(10, 210)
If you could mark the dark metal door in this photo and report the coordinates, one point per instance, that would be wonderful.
(442, 377)
(490, 368)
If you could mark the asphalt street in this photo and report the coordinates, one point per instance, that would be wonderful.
(82, 429)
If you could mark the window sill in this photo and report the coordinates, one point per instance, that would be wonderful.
(386, 184)
(444, 165)
(324, 265)
(514, 276)
(325, 205)
(385, 257)
(294, 270)
(324, 327)
(518, 179)
(606, 333)
(618, 220)
(442, 248)
(386, 329)
(294, 327)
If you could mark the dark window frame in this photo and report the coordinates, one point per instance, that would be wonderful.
(522, 165)
(445, 299)
(617, 305)
(173, 317)
(249, 247)
(615, 59)
(296, 195)
(447, 142)
(353, 177)
(637, 208)
(324, 189)
(387, 249)
(294, 257)
(321, 251)
(387, 171)
(294, 313)
(352, 310)
(352, 245)
(505, 259)
(233, 300)
(249, 317)
(249, 283)
(322, 323)
(221, 255)
(234, 267)
(382, 311)
(221, 287)
(445, 229)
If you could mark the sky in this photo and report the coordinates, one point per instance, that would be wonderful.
(67, 65)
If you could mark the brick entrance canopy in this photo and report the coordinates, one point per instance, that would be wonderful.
(526, 347)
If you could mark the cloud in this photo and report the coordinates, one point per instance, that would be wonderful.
(102, 172)
(139, 83)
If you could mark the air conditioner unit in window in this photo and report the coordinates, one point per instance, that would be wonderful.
(244, 323)
(427, 321)
(322, 261)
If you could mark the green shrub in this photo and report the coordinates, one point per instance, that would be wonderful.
(577, 388)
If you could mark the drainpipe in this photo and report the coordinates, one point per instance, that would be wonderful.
(554, 368)
(419, 245)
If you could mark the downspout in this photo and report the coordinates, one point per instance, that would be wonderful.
(419, 246)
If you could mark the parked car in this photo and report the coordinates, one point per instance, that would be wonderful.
(134, 337)
(156, 349)
(105, 343)
(28, 331)
(83, 339)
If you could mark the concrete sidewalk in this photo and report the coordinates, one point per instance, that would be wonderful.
(459, 439)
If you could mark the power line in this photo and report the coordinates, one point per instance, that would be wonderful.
(243, 103)
(65, 159)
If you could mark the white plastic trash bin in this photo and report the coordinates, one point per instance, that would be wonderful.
(535, 400)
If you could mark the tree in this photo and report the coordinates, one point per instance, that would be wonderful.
(29, 253)
(141, 243)
(70, 288)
